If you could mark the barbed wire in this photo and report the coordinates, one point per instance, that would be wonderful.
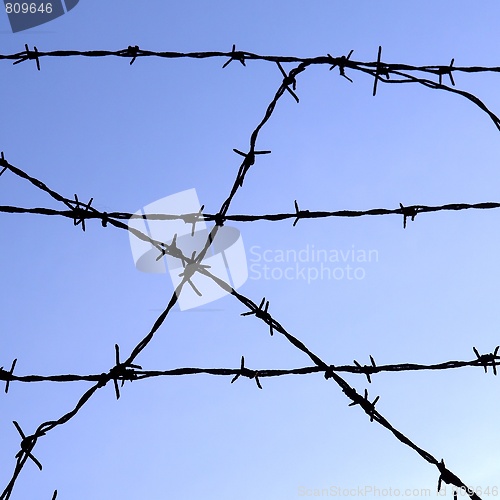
(127, 370)
(342, 62)
(379, 70)
(491, 359)
(80, 212)
(192, 218)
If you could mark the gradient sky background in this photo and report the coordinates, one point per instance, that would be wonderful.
(128, 136)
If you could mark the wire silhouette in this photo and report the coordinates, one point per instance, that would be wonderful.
(133, 373)
(80, 212)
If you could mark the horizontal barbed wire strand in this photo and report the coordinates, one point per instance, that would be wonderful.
(191, 218)
(378, 69)
(484, 361)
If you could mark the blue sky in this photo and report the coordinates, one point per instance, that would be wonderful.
(130, 135)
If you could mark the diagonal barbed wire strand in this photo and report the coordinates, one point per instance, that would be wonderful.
(125, 369)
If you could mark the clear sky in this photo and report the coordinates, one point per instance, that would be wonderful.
(128, 136)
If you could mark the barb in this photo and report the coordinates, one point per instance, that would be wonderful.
(245, 372)
(197, 218)
(288, 80)
(300, 213)
(247, 162)
(2, 161)
(79, 215)
(342, 62)
(446, 71)
(121, 371)
(408, 212)
(29, 55)
(235, 56)
(133, 52)
(364, 368)
(8, 375)
(192, 266)
(27, 445)
(488, 359)
(364, 402)
(381, 70)
(262, 313)
(448, 477)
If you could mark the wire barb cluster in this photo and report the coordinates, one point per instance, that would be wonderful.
(29, 55)
(262, 313)
(8, 376)
(365, 403)
(245, 372)
(121, 371)
(235, 56)
(488, 359)
(27, 445)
